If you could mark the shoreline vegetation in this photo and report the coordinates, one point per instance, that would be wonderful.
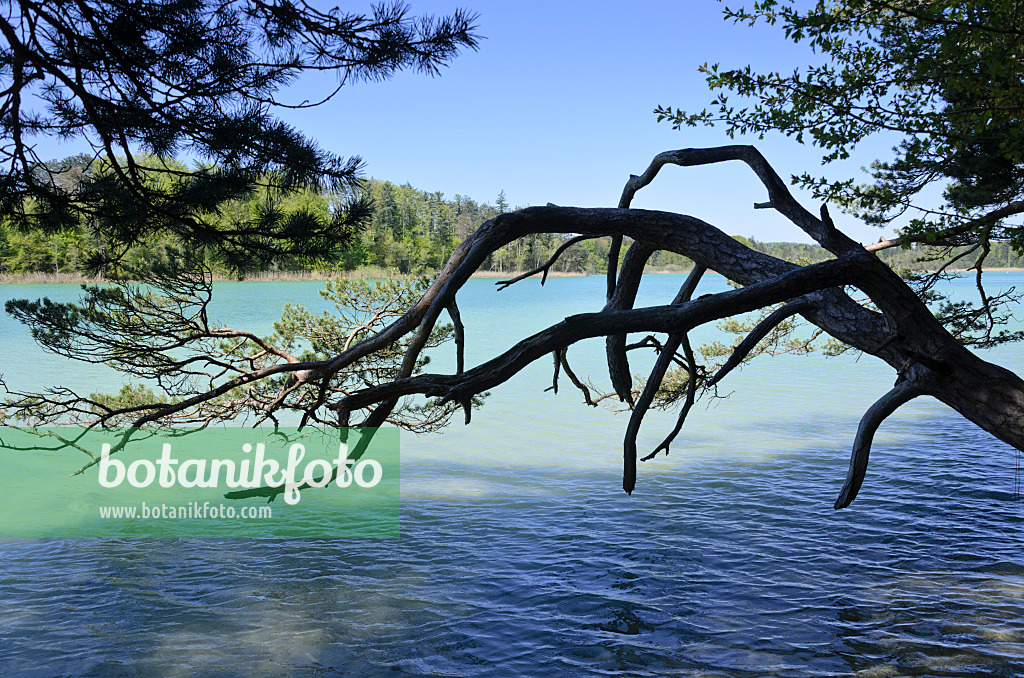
(411, 233)
(362, 273)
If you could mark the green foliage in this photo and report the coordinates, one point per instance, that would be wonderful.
(136, 328)
(945, 75)
(143, 80)
(159, 334)
(409, 231)
(671, 391)
(361, 309)
(130, 395)
(782, 338)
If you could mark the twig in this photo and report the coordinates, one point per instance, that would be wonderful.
(502, 284)
(756, 335)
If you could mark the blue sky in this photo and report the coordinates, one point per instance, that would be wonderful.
(556, 106)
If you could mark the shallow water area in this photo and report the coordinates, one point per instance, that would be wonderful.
(521, 555)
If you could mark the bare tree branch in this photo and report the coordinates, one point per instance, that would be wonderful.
(373, 369)
(691, 398)
(460, 336)
(900, 394)
(563, 357)
(544, 268)
(752, 339)
(669, 319)
(779, 196)
(624, 297)
(654, 382)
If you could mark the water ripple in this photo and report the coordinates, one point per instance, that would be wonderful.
(521, 557)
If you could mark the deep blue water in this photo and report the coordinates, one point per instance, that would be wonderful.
(520, 554)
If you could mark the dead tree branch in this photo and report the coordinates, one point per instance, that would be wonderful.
(755, 336)
(897, 327)
(655, 379)
(544, 268)
(902, 393)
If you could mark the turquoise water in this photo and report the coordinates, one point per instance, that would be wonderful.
(520, 554)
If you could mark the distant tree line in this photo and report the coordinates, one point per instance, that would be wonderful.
(415, 231)
(410, 231)
(916, 257)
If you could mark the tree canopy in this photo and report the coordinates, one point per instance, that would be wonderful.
(141, 81)
(943, 78)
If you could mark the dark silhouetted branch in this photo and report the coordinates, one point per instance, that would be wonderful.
(502, 284)
(755, 336)
(691, 398)
(654, 381)
(624, 297)
(902, 393)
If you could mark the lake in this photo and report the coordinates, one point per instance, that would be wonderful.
(521, 556)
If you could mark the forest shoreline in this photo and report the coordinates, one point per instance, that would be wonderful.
(363, 273)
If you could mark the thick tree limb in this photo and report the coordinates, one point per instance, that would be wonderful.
(668, 319)
(832, 310)
(691, 398)
(460, 336)
(902, 332)
(654, 381)
(900, 394)
(613, 265)
(779, 196)
(624, 297)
